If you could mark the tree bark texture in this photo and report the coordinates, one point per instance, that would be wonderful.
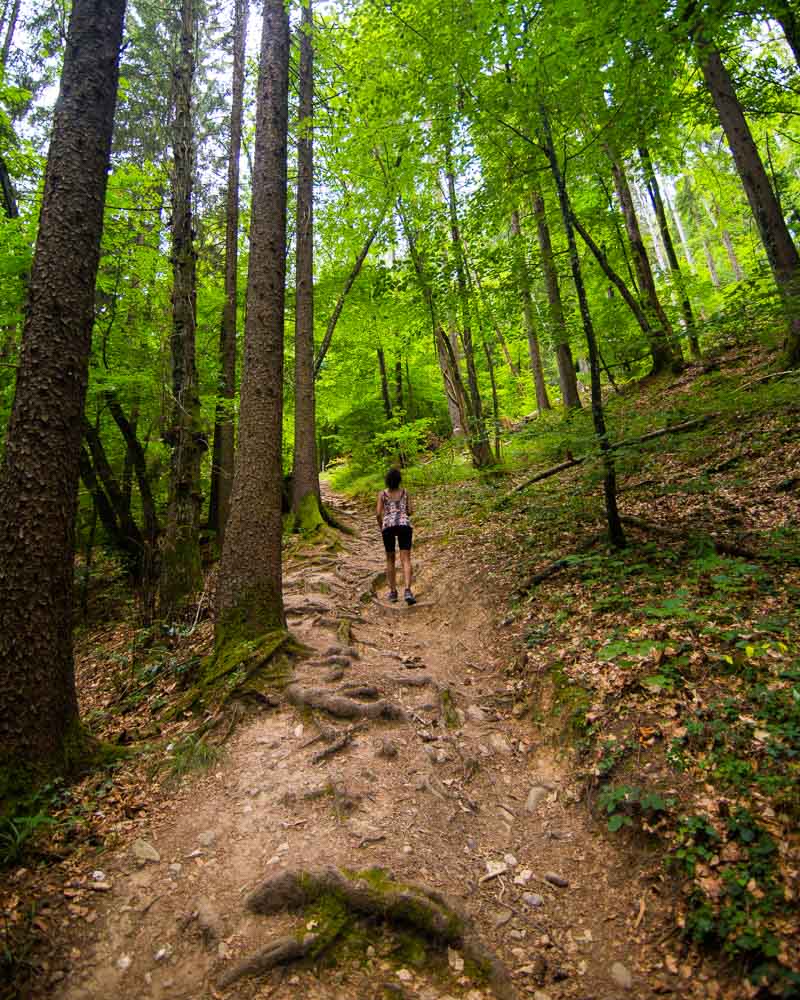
(526, 299)
(615, 530)
(305, 478)
(558, 327)
(654, 191)
(10, 29)
(181, 569)
(398, 385)
(661, 335)
(781, 251)
(481, 452)
(39, 477)
(249, 599)
(787, 17)
(224, 443)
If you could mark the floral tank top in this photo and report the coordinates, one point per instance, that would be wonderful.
(395, 512)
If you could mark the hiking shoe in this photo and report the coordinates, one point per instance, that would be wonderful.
(409, 597)
(392, 596)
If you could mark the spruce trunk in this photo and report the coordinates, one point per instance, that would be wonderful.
(249, 598)
(224, 443)
(305, 480)
(181, 569)
(39, 477)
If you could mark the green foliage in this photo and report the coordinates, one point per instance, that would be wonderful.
(18, 833)
(191, 754)
(628, 805)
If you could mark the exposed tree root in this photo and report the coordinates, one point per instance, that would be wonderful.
(373, 894)
(558, 564)
(336, 745)
(281, 951)
(334, 521)
(340, 706)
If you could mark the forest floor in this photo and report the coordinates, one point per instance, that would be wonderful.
(512, 714)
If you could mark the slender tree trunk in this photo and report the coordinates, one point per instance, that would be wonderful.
(411, 413)
(787, 17)
(305, 479)
(398, 385)
(40, 470)
(249, 597)
(654, 191)
(9, 194)
(181, 569)
(224, 444)
(687, 250)
(337, 309)
(472, 272)
(9, 38)
(558, 327)
(495, 406)
(661, 349)
(387, 402)
(781, 251)
(524, 290)
(733, 260)
(615, 531)
(455, 396)
(482, 454)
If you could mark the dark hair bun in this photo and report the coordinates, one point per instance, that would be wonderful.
(393, 478)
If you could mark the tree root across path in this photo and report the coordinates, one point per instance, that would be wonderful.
(341, 706)
(340, 896)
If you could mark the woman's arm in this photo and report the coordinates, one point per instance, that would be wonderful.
(379, 510)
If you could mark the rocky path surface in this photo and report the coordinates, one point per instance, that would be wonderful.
(454, 793)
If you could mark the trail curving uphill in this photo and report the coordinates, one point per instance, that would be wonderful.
(394, 749)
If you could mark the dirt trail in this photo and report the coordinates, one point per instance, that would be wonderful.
(447, 806)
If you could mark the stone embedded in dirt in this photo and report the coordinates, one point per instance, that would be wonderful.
(404, 975)
(557, 880)
(621, 976)
(523, 877)
(209, 922)
(475, 714)
(535, 796)
(144, 851)
(493, 869)
(298, 731)
(175, 869)
(501, 918)
(455, 960)
(510, 860)
(207, 838)
(387, 749)
(124, 962)
(532, 899)
(499, 743)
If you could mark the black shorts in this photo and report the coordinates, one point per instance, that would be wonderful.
(402, 532)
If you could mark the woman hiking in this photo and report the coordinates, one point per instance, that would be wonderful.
(393, 513)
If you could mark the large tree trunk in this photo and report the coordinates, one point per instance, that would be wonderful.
(481, 451)
(39, 477)
(781, 251)
(524, 290)
(305, 479)
(661, 349)
(224, 445)
(654, 191)
(615, 531)
(249, 598)
(558, 327)
(181, 569)
(10, 29)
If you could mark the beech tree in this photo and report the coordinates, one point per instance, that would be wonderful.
(39, 477)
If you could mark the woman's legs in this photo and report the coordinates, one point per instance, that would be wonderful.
(405, 562)
(391, 570)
